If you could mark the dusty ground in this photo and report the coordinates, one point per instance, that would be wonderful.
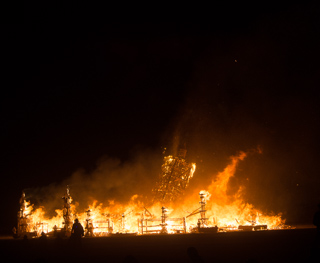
(295, 245)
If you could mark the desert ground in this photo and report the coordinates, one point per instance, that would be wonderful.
(290, 245)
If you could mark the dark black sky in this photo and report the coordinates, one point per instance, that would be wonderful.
(227, 83)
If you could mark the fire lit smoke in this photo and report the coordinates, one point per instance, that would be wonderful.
(228, 210)
(105, 207)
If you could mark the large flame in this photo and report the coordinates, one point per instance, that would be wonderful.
(232, 210)
(222, 210)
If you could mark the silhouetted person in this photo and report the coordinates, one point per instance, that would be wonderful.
(76, 233)
(194, 256)
(77, 230)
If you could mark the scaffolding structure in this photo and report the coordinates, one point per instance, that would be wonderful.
(103, 227)
(162, 225)
(41, 227)
(67, 215)
(174, 179)
(202, 225)
(89, 224)
(24, 219)
(95, 228)
(253, 225)
(202, 221)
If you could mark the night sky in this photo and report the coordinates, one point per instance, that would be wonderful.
(121, 88)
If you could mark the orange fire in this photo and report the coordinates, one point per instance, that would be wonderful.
(222, 210)
(232, 211)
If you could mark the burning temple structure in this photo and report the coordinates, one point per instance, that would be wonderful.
(175, 177)
(167, 214)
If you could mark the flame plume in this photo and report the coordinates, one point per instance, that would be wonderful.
(218, 208)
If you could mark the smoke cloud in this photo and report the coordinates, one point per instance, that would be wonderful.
(111, 181)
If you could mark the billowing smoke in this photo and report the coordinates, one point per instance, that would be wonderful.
(111, 181)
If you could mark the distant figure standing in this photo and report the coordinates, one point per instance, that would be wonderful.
(76, 233)
(77, 230)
